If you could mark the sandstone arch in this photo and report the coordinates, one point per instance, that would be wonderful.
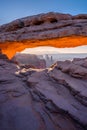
(50, 29)
(10, 48)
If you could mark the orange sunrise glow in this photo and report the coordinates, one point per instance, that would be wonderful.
(10, 48)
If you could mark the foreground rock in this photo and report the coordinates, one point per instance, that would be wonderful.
(44, 26)
(43, 99)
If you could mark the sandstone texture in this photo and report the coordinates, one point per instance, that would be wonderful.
(44, 26)
(54, 98)
(33, 97)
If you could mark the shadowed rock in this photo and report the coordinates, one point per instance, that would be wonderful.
(44, 26)
(45, 99)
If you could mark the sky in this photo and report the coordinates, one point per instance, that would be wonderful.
(53, 50)
(14, 9)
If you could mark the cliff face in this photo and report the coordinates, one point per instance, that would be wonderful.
(45, 99)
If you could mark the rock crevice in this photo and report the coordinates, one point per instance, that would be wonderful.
(47, 99)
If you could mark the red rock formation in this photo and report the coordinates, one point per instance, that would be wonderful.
(43, 99)
(44, 26)
(54, 29)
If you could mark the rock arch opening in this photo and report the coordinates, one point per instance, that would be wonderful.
(10, 48)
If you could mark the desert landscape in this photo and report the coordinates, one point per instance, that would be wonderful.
(36, 94)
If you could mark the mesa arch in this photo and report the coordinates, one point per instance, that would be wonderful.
(10, 48)
(50, 29)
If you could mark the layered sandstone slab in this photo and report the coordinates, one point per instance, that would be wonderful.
(44, 26)
(47, 99)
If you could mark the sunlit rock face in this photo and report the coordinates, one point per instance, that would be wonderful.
(10, 48)
(43, 99)
(54, 29)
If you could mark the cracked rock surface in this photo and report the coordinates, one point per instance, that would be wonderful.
(54, 98)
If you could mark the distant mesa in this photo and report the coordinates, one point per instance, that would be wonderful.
(29, 61)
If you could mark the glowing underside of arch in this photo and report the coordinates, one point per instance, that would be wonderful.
(10, 48)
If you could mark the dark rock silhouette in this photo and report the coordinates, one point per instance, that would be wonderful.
(44, 26)
(45, 99)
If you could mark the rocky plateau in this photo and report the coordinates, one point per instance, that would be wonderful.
(54, 98)
(33, 97)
